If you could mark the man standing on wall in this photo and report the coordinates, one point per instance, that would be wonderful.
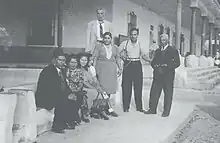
(96, 29)
(131, 53)
(164, 63)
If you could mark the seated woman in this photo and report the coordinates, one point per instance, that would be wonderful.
(91, 84)
(75, 81)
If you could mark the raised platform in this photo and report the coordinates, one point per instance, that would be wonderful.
(23, 79)
(199, 78)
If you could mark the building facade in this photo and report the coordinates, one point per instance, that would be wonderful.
(63, 23)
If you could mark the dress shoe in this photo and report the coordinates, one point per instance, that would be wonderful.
(150, 112)
(113, 114)
(86, 120)
(70, 126)
(104, 116)
(126, 110)
(141, 110)
(77, 123)
(95, 115)
(165, 114)
(58, 130)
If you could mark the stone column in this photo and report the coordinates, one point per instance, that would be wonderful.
(193, 31)
(178, 23)
(216, 39)
(60, 24)
(203, 34)
(210, 38)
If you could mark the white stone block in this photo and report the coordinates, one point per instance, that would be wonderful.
(44, 120)
(210, 61)
(203, 61)
(7, 109)
(180, 77)
(191, 61)
(25, 127)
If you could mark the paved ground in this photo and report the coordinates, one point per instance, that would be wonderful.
(133, 126)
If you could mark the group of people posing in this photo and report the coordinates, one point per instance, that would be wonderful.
(66, 83)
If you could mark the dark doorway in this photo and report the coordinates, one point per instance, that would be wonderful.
(41, 22)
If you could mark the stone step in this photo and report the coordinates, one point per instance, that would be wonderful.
(190, 95)
(196, 71)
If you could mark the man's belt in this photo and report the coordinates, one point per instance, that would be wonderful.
(133, 59)
(99, 41)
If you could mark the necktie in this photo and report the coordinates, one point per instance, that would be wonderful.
(101, 30)
(62, 81)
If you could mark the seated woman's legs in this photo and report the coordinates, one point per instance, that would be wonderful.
(85, 110)
(72, 115)
(83, 106)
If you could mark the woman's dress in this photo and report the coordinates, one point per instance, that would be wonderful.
(106, 67)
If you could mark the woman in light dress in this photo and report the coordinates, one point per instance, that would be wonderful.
(108, 67)
(91, 84)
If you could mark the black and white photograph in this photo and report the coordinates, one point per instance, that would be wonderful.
(109, 71)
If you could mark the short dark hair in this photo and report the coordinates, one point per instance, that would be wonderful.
(70, 57)
(134, 29)
(107, 33)
(83, 54)
(58, 52)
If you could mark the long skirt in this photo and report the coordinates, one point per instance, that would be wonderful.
(107, 75)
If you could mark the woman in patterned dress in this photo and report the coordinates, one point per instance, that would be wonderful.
(108, 67)
(75, 78)
(91, 84)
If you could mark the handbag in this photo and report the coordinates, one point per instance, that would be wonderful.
(99, 104)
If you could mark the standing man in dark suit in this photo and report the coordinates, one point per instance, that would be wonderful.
(53, 91)
(164, 63)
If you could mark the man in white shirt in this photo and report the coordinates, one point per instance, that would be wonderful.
(96, 29)
(131, 53)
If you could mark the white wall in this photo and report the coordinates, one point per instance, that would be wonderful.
(76, 16)
(145, 19)
(77, 13)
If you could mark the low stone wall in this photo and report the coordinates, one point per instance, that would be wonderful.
(202, 61)
(26, 120)
(24, 125)
(11, 77)
(7, 109)
(199, 127)
(200, 78)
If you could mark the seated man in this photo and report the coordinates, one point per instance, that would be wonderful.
(52, 91)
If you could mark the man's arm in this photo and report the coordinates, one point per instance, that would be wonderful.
(153, 62)
(95, 54)
(175, 63)
(118, 58)
(122, 53)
